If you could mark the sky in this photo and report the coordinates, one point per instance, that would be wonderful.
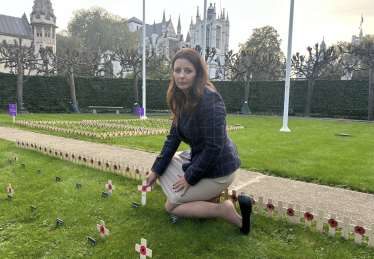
(335, 20)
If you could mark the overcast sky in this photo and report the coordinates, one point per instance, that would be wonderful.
(336, 20)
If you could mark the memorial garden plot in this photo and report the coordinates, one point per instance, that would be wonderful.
(103, 129)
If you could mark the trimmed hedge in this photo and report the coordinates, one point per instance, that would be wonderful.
(51, 94)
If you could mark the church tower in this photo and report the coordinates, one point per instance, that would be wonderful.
(43, 25)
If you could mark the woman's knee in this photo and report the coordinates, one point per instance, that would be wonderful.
(169, 206)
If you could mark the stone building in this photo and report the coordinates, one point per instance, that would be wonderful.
(166, 40)
(41, 29)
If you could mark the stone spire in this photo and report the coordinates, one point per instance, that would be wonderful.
(43, 7)
(323, 44)
(163, 23)
(179, 28)
(188, 39)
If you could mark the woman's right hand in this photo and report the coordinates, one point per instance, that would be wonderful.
(151, 179)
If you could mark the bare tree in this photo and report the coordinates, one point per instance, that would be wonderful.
(73, 63)
(22, 58)
(241, 66)
(365, 54)
(314, 66)
(132, 60)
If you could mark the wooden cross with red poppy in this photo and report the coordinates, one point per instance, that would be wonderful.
(144, 190)
(110, 187)
(15, 158)
(143, 250)
(10, 190)
(103, 231)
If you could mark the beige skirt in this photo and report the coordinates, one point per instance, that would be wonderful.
(204, 190)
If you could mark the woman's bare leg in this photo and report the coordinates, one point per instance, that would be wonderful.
(205, 209)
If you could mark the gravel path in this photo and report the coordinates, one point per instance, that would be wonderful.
(352, 204)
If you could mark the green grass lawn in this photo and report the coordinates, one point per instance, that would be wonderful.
(313, 151)
(27, 234)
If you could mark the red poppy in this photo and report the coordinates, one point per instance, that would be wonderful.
(73, 156)
(99, 163)
(270, 206)
(127, 169)
(32, 145)
(91, 161)
(107, 165)
(254, 203)
(290, 212)
(18, 143)
(23, 144)
(36, 147)
(308, 216)
(55, 153)
(234, 198)
(79, 158)
(10, 190)
(109, 186)
(84, 159)
(359, 230)
(144, 188)
(66, 155)
(40, 148)
(147, 173)
(137, 171)
(115, 167)
(333, 223)
(102, 229)
(143, 250)
(45, 149)
(50, 151)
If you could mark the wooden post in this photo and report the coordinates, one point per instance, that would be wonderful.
(331, 229)
(260, 205)
(345, 228)
(320, 221)
(371, 236)
(297, 214)
(308, 223)
(358, 236)
(280, 210)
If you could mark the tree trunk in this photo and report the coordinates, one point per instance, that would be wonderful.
(371, 94)
(72, 86)
(20, 84)
(309, 97)
(135, 83)
(246, 93)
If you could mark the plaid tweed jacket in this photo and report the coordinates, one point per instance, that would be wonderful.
(213, 154)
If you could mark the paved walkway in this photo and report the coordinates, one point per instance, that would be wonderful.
(352, 204)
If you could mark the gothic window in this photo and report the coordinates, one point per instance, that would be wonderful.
(207, 36)
(218, 37)
(53, 33)
(47, 33)
(39, 32)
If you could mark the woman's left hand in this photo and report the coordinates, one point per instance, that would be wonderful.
(181, 184)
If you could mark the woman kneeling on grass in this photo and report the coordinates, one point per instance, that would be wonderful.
(192, 180)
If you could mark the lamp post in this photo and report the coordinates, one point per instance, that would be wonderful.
(288, 69)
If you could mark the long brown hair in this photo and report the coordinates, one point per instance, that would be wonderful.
(175, 96)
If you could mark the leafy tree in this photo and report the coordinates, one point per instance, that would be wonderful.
(99, 29)
(316, 65)
(64, 41)
(266, 42)
(22, 58)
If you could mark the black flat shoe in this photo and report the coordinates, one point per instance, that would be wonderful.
(246, 205)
